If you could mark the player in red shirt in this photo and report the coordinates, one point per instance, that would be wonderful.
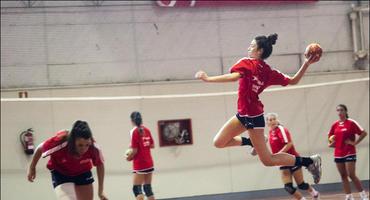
(72, 155)
(281, 141)
(254, 76)
(342, 136)
(139, 152)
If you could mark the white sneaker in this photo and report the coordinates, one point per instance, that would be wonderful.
(315, 168)
(363, 195)
(349, 197)
(253, 151)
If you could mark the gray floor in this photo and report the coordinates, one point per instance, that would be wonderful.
(332, 191)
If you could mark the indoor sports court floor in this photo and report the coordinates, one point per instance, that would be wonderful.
(324, 196)
(332, 191)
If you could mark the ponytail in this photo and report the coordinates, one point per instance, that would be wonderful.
(137, 120)
(266, 44)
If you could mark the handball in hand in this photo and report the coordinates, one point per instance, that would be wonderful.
(314, 50)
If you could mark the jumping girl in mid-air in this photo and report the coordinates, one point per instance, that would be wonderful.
(254, 76)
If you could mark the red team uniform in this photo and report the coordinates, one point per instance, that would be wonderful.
(66, 167)
(278, 138)
(343, 131)
(65, 163)
(142, 161)
(256, 75)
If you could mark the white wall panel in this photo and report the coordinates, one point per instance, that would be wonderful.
(333, 62)
(236, 35)
(140, 32)
(333, 33)
(167, 41)
(24, 75)
(68, 44)
(92, 73)
(172, 69)
(86, 15)
(10, 18)
(22, 45)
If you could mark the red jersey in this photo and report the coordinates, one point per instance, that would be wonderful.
(256, 75)
(278, 138)
(142, 142)
(343, 131)
(63, 161)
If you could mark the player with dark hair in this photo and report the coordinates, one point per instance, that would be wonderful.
(72, 155)
(254, 75)
(139, 152)
(342, 137)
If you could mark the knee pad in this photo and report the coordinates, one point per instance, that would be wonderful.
(137, 190)
(289, 188)
(304, 186)
(148, 190)
(66, 191)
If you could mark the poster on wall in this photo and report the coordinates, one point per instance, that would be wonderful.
(175, 132)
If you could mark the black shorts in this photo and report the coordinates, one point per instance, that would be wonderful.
(252, 122)
(82, 179)
(351, 158)
(292, 169)
(145, 171)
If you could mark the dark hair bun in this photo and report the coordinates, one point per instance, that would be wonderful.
(80, 125)
(272, 38)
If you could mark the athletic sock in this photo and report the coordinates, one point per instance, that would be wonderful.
(246, 141)
(303, 161)
(303, 198)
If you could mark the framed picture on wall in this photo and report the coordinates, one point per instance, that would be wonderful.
(175, 132)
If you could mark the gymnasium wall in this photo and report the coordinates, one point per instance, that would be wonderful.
(197, 169)
(58, 43)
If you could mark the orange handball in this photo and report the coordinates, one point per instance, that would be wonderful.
(313, 49)
(332, 139)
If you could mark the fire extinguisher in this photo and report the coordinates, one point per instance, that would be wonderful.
(26, 138)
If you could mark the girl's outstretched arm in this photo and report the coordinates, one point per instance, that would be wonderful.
(298, 76)
(217, 79)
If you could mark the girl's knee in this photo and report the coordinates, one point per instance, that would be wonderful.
(344, 176)
(352, 176)
(267, 161)
(218, 143)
